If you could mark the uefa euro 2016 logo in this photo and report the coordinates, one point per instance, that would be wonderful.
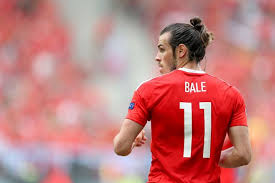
(132, 105)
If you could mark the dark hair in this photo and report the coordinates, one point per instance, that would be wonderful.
(194, 36)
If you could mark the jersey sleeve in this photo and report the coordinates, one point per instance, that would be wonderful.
(138, 110)
(239, 111)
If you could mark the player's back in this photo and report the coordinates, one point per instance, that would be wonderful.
(190, 114)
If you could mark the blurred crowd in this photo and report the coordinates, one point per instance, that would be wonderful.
(54, 126)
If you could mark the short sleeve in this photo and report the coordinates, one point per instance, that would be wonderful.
(137, 110)
(239, 111)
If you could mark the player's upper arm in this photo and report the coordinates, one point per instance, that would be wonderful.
(125, 138)
(239, 137)
(136, 119)
(238, 117)
(139, 109)
(238, 130)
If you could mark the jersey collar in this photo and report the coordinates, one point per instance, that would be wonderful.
(191, 70)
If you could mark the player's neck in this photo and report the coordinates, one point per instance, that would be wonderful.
(189, 65)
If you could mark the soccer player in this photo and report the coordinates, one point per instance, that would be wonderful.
(190, 113)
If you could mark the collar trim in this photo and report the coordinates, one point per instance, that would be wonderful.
(191, 70)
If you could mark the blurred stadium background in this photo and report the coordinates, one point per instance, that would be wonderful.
(68, 70)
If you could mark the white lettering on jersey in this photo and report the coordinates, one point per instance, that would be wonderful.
(203, 87)
(192, 88)
(195, 87)
(186, 87)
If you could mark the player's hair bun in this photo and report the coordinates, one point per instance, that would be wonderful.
(206, 36)
(194, 36)
(196, 22)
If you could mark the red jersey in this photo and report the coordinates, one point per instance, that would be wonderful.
(228, 175)
(190, 113)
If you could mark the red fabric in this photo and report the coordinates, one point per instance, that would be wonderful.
(227, 144)
(159, 100)
(227, 174)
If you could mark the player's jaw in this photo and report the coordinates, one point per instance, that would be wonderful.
(166, 65)
(165, 56)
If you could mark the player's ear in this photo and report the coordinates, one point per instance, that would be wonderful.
(182, 50)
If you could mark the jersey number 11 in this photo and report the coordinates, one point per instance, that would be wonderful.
(187, 107)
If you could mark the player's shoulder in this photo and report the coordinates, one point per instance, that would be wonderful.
(221, 84)
(218, 81)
